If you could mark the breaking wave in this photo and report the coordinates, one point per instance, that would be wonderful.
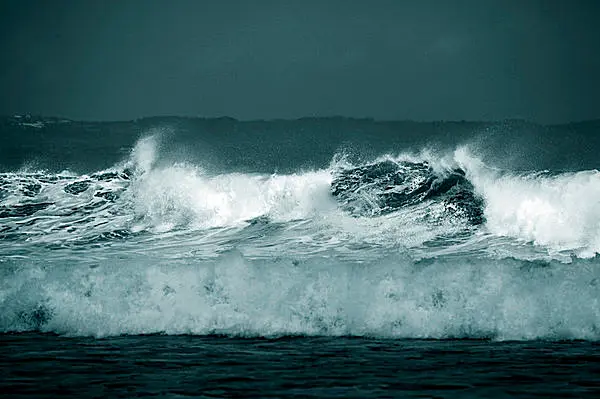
(421, 245)
(393, 297)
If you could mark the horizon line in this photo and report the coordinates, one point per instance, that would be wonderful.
(40, 117)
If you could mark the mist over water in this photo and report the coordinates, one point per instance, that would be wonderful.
(424, 240)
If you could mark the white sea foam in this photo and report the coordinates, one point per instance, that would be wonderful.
(560, 212)
(181, 195)
(391, 297)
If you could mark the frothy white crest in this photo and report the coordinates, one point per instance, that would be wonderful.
(182, 195)
(561, 212)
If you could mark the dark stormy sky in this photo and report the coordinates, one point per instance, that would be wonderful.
(421, 60)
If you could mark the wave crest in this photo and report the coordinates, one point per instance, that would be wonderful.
(393, 202)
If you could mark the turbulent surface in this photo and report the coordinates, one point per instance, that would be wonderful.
(388, 186)
(425, 244)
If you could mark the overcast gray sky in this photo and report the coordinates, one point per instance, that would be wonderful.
(421, 60)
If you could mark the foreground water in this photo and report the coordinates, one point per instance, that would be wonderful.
(189, 366)
(435, 267)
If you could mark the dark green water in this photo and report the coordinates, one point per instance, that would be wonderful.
(34, 365)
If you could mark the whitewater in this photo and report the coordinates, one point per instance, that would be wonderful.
(411, 244)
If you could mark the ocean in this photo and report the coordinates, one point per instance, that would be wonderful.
(318, 257)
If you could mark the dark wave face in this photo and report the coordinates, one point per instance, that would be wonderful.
(387, 186)
(266, 236)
